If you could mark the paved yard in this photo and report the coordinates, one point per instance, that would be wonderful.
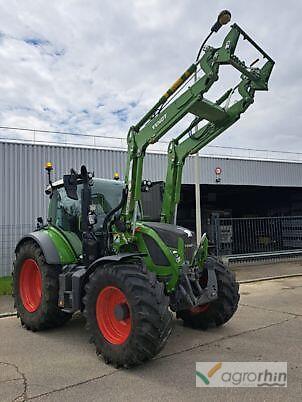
(60, 365)
(254, 271)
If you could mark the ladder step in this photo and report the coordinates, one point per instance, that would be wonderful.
(208, 110)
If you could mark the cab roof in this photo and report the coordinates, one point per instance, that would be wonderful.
(59, 183)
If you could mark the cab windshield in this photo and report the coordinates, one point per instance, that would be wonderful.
(65, 213)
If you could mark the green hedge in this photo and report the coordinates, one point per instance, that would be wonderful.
(6, 285)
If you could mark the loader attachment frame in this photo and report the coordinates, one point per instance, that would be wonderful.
(166, 114)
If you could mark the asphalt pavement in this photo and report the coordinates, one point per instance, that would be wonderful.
(61, 364)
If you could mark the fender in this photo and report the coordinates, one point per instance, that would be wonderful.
(74, 278)
(84, 275)
(111, 258)
(56, 248)
(43, 240)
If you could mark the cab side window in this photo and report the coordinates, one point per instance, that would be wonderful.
(68, 212)
(65, 212)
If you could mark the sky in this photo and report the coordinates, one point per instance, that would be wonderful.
(96, 66)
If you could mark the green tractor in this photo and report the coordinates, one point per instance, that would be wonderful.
(98, 254)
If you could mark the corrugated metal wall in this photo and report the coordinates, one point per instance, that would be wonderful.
(23, 179)
(251, 172)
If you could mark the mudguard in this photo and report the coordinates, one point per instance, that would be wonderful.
(43, 240)
(55, 246)
(74, 277)
(112, 258)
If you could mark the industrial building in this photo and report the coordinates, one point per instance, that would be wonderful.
(244, 188)
(230, 187)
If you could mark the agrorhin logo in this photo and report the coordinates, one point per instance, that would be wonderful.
(241, 374)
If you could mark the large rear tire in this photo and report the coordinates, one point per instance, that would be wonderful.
(127, 313)
(221, 310)
(36, 289)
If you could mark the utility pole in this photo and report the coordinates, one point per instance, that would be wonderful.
(197, 196)
(197, 188)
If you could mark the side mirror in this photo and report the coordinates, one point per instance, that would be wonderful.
(40, 223)
(70, 185)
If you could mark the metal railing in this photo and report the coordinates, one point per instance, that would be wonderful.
(9, 236)
(115, 142)
(231, 236)
(237, 236)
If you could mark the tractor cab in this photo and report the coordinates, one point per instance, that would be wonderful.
(65, 212)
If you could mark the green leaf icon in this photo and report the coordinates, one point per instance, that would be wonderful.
(202, 377)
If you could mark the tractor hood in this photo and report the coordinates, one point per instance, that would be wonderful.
(170, 234)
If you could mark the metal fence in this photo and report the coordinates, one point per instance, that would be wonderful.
(234, 236)
(231, 236)
(9, 236)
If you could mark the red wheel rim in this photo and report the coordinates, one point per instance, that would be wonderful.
(199, 309)
(115, 331)
(30, 285)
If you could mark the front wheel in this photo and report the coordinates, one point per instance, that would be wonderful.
(127, 313)
(219, 311)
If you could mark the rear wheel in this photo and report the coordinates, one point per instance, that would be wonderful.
(127, 313)
(36, 289)
(221, 310)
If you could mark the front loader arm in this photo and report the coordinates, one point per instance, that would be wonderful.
(159, 120)
(165, 115)
(179, 150)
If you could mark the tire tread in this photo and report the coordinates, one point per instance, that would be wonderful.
(149, 307)
(48, 315)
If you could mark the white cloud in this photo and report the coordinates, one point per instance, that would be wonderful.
(97, 66)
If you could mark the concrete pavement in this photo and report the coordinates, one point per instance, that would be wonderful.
(250, 272)
(61, 365)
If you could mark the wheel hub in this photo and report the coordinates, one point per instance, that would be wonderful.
(121, 311)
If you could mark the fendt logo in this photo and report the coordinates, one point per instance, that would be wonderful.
(159, 121)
